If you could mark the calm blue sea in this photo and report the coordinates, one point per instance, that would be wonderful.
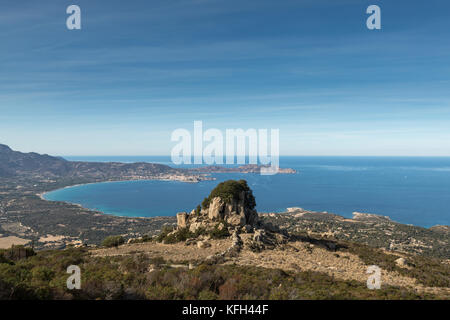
(411, 190)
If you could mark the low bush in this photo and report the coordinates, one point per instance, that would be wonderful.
(230, 190)
(219, 233)
(44, 276)
(113, 241)
(16, 253)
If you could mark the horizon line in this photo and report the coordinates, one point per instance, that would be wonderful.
(288, 155)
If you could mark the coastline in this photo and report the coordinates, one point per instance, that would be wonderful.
(369, 229)
(41, 195)
(309, 200)
(91, 226)
(297, 211)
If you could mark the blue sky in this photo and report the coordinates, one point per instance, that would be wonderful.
(140, 69)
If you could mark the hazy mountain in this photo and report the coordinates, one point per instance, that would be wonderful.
(18, 163)
(15, 162)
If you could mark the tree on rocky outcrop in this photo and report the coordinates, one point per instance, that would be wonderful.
(228, 210)
(230, 203)
(230, 191)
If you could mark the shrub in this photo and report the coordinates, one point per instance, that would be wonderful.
(230, 190)
(178, 236)
(15, 253)
(164, 232)
(207, 295)
(217, 233)
(113, 241)
(428, 271)
(43, 273)
(229, 290)
(145, 238)
(157, 261)
(44, 277)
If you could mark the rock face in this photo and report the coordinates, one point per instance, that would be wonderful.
(231, 202)
(265, 239)
(230, 209)
(181, 219)
(232, 251)
(235, 213)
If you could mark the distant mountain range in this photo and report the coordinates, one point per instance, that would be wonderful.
(15, 163)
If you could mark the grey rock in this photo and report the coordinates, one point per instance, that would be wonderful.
(182, 220)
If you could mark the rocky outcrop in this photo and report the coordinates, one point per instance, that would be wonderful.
(232, 251)
(231, 203)
(403, 263)
(182, 219)
(265, 239)
(229, 209)
(236, 213)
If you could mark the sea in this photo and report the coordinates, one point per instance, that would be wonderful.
(410, 190)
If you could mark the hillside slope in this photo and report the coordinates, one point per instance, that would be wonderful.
(15, 163)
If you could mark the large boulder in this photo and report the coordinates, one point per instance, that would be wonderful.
(233, 202)
(402, 263)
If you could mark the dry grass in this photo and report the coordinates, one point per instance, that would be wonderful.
(8, 242)
(177, 252)
(295, 256)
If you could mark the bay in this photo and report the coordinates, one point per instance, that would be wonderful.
(411, 190)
